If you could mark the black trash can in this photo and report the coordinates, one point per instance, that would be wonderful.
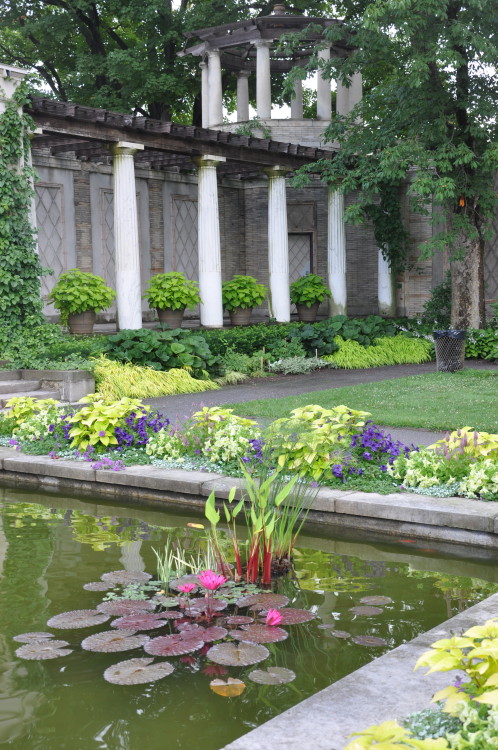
(450, 350)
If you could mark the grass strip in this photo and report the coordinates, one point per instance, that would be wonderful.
(432, 401)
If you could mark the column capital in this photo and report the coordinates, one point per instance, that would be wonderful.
(208, 160)
(243, 74)
(126, 148)
(262, 43)
(213, 52)
(203, 64)
(276, 171)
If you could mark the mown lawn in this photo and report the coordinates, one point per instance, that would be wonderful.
(434, 401)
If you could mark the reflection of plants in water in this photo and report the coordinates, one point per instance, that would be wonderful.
(324, 571)
(24, 512)
(459, 592)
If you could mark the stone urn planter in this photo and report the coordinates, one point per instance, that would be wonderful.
(173, 318)
(240, 316)
(307, 314)
(82, 323)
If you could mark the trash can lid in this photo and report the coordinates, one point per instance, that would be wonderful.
(450, 334)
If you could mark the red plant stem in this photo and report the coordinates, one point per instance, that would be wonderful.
(267, 564)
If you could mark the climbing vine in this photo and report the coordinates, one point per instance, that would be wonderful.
(20, 269)
(390, 234)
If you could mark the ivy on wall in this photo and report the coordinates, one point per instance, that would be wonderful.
(20, 269)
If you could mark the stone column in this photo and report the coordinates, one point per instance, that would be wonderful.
(127, 249)
(342, 99)
(385, 287)
(336, 253)
(355, 90)
(278, 245)
(243, 95)
(215, 91)
(204, 93)
(323, 98)
(263, 80)
(347, 97)
(209, 241)
(297, 101)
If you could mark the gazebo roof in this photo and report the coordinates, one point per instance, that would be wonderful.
(89, 133)
(236, 40)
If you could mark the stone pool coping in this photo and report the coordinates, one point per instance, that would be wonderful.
(453, 519)
(385, 689)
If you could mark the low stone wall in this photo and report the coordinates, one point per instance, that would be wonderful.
(71, 384)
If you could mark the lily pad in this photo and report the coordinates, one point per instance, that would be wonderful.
(294, 616)
(214, 633)
(28, 637)
(166, 601)
(125, 577)
(229, 689)
(174, 645)
(239, 620)
(140, 621)
(189, 627)
(340, 634)
(366, 611)
(369, 640)
(237, 654)
(97, 586)
(43, 649)
(263, 601)
(260, 633)
(376, 601)
(122, 607)
(78, 618)
(272, 676)
(114, 640)
(137, 671)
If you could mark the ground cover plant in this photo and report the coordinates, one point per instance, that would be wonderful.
(433, 401)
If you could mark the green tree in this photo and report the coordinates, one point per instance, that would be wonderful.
(427, 118)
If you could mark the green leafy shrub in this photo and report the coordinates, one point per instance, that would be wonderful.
(46, 347)
(317, 339)
(482, 343)
(172, 291)
(309, 289)
(164, 350)
(242, 291)
(77, 291)
(234, 361)
(285, 349)
(248, 339)
(116, 380)
(437, 310)
(481, 481)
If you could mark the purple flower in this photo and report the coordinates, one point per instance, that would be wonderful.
(13, 441)
(337, 471)
(102, 433)
(367, 456)
(51, 427)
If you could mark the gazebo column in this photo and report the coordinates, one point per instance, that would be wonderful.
(243, 95)
(204, 93)
(263, 80)
(336, 247)
(209, 241)
(215, 90)
(385, 287)
(323, 98)
(347, 97)
(297, 101)
(127, 250)
(278, 245)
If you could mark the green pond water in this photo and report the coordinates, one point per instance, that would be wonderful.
(50, 546)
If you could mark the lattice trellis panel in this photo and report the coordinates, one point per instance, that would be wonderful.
(50, 225)
(300, 216)
(299, 255)
(185, 250)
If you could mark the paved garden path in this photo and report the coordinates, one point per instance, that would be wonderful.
(179, 408)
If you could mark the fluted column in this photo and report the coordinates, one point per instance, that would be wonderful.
(204, 93)
(263, 80)
(278, 245)
(215, 90)
(126, 245)
(209, 241)
(323, 98)
(297, 101)
(347, 97)
(336, 253)
(385, 287)
(243, 95)
(355, 90)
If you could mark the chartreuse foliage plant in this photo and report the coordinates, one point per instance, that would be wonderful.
(94, 425)
(242, 291)
(395, 350)
(390, 736)
(114, 380)
(20, 296)
(21, 408)
(77, 291)
(309, 289)
(172, 291)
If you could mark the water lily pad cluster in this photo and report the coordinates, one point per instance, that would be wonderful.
(369, 606)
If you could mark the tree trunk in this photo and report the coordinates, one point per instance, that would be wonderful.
(467, 285)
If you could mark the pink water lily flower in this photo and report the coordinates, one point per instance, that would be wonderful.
(187, 588)
(211, 580)
(273, 617)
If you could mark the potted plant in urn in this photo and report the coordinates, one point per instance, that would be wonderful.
(79, 296)
(240, 295)
(307, 293)
(170, 293)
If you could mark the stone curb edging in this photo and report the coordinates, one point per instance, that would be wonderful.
(385, 689)
(450, 519)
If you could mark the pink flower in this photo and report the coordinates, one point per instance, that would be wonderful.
(273, 617)
(187, 588)
(211, 580)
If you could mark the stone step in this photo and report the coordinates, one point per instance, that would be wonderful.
(4, 397)
(10, 375)
(19, 386)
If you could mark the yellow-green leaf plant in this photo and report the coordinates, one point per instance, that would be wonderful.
(390, 736)
(21, 408)
(94, 425)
